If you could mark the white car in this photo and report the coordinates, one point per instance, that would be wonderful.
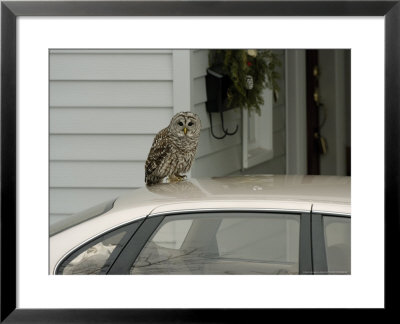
(260, 224)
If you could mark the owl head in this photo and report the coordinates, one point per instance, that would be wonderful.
(185, 125)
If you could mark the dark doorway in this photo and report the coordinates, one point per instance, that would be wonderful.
(312, 101)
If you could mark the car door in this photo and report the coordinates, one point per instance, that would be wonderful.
(223, 242)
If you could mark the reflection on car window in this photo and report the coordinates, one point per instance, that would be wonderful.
(235, 243)
(94, 258)
(337, 244)
(179, 228)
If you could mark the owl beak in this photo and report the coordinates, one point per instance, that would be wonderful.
(185, 130)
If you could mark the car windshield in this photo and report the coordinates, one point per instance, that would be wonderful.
(81, 217)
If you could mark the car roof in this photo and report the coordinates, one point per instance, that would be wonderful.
(328, 194)
(325, 194)
(287, 188)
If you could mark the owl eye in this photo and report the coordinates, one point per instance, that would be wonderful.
(190, 124)
(180, 124)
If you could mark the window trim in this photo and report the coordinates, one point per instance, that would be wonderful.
(134, 247)
(223, 210)
(320, 263)
(305, 248)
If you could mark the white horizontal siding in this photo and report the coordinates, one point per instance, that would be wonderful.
(96, 174)
(110, 93)
(110, 67)
(200, 93)
(123, 147)
(81, 120)
(100, 147)
(105, 108)
(200, 63)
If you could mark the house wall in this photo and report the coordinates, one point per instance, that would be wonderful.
(106, 107)
(215, 157)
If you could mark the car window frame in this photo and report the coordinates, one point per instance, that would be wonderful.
(133, 248)
(131, 228)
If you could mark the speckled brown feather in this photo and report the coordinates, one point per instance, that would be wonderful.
(157, 154)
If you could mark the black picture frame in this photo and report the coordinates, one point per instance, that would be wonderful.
(10, 10)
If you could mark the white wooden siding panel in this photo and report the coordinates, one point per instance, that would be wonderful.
(200, 63)
(199, 90)
(123, 147)
(111, 93)
(102, 130)
(96, 174)
(100, 147)
(183, 82)
(108, 121)
(110, 67)
(70, 201)
(100, 127)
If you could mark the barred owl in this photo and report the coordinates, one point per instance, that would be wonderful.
(173, 149)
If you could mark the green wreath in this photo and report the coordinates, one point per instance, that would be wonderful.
(250, 71)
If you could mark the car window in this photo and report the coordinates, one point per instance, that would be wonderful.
(337, 244)
(96, 257)
(222, 243)
(172, 234)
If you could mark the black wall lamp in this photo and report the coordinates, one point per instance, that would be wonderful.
(217, 86)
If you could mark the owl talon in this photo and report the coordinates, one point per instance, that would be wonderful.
(176, 178)
(172, 179)
(180, 177)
